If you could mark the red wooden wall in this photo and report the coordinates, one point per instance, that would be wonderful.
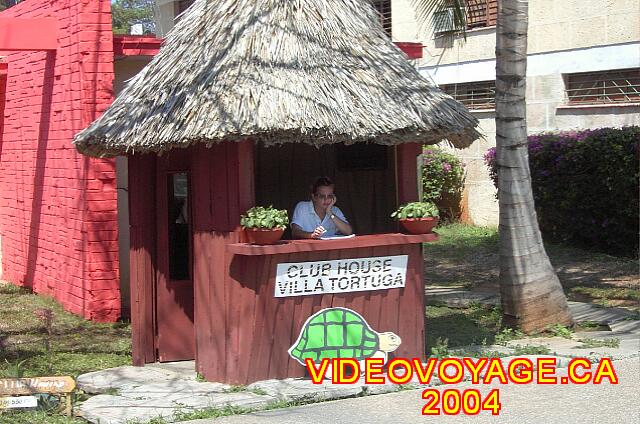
(222, 181)
(242, 332)
(58, 223)
(261, 328)
(142, 250)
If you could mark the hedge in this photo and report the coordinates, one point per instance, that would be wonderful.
(442, 176)
(585, 186)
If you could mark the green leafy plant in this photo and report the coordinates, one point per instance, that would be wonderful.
(441, 349)
(558, 330)
(211, 412)
(268, 218)
(258, 391)
(236, 388)
(530, 350)
(506, 335)
(593, 343)
(442, 180)
(13, 370)
(416, 210)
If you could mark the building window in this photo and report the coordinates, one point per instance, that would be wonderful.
(179, 233)
(605, 87)
(473, 95)
(481, 13)
(384, 11)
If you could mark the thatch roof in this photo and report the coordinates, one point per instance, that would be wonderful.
(277, 71)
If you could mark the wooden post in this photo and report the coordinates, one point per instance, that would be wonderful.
(142, 255)
(69, 408)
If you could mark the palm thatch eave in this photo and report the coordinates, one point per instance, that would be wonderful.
(277, 71)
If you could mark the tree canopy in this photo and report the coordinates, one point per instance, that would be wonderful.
(125, 13)
(5, 4)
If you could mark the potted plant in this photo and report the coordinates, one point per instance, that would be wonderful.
(264, 225)
(417, 217)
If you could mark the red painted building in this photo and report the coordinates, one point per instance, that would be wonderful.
(60, 66)
(58, 209)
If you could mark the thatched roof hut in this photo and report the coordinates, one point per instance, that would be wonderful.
(277, 71)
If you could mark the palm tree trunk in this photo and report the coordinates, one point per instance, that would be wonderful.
(532, 296)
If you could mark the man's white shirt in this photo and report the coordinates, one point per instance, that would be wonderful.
(305, 216)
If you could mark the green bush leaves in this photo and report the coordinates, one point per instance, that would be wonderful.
(416, 210)
(261, 217)
(585, 185)
(442, 177)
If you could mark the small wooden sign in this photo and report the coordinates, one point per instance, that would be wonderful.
(18, 402)
(27, 386)
(341, 276)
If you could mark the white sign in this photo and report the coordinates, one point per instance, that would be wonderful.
(340, 276)
(18, 402)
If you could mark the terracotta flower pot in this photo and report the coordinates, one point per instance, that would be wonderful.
(419, 225)
(264, 235)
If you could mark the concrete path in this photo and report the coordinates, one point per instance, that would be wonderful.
(522, 404)
(140, 394)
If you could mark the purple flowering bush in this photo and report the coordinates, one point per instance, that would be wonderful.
(442, 181)
(585, 185)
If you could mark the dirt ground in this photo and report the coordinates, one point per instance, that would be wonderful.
(585, 276)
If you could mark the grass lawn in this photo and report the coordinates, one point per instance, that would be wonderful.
(457, 327)
(77, 346)
(466, 257)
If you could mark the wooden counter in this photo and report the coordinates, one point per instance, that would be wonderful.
(251, 329)
(357, 242)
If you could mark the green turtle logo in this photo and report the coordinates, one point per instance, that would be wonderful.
(341, 333)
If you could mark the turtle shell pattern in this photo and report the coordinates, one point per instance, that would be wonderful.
(336, 333)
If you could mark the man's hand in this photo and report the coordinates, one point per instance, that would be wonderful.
(330, 207)
(318, 232)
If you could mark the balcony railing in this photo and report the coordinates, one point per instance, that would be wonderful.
(620, 86)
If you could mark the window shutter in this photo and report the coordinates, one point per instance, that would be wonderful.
(384, 10)
(473, 95)
(604, 87)
(481, 13)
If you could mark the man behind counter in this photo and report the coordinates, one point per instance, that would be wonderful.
(319, 217)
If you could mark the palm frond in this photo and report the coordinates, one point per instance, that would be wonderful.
(430, 10)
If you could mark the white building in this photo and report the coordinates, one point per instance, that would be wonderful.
(583, 72)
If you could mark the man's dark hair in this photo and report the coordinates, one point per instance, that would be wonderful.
(321, 182)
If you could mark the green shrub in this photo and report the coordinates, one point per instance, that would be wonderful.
(442, 181)
(416, 210)
(261, 217)
(585, 185)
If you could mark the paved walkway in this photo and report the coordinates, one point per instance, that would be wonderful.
(164, 390)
